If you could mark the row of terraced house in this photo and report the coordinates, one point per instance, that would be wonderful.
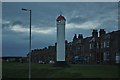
(100, 48)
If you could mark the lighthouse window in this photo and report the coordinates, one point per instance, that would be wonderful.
(58, 21)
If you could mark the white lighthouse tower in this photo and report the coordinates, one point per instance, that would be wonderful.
(60, 57)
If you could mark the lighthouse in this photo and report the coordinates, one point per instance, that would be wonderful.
(60, 56)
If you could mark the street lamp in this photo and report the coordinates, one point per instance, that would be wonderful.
(29, 42)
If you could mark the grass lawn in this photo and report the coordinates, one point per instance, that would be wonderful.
(20, 70)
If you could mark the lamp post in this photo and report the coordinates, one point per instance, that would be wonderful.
(29, 42)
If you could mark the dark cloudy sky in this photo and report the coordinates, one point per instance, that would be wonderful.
(81, 18)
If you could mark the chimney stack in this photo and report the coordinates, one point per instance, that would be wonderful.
(95, 33)
(101, 32)
(80, 36)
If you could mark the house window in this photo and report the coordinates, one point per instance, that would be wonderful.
(102, 44)
(78, 47)
(97, 45)
(90, 54)
(90, 46)
(106, 44)
(106, 56)
(117, 58)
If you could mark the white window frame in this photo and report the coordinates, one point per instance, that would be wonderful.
(117, 58)
(105, 56)
(90, 46)
(106, 44)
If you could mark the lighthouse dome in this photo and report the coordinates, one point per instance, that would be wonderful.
(59, 18)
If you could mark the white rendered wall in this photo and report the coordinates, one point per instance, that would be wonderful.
(61, 41)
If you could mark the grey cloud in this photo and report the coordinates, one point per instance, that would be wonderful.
(43, 17)
(4, 26)
(109, 25)
(17, 23)
(77, 20)
(10, 24)
(18, 44)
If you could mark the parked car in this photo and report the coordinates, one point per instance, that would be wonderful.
(51, 62)
(41, 62)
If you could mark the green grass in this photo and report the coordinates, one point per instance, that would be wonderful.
(20, 70)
